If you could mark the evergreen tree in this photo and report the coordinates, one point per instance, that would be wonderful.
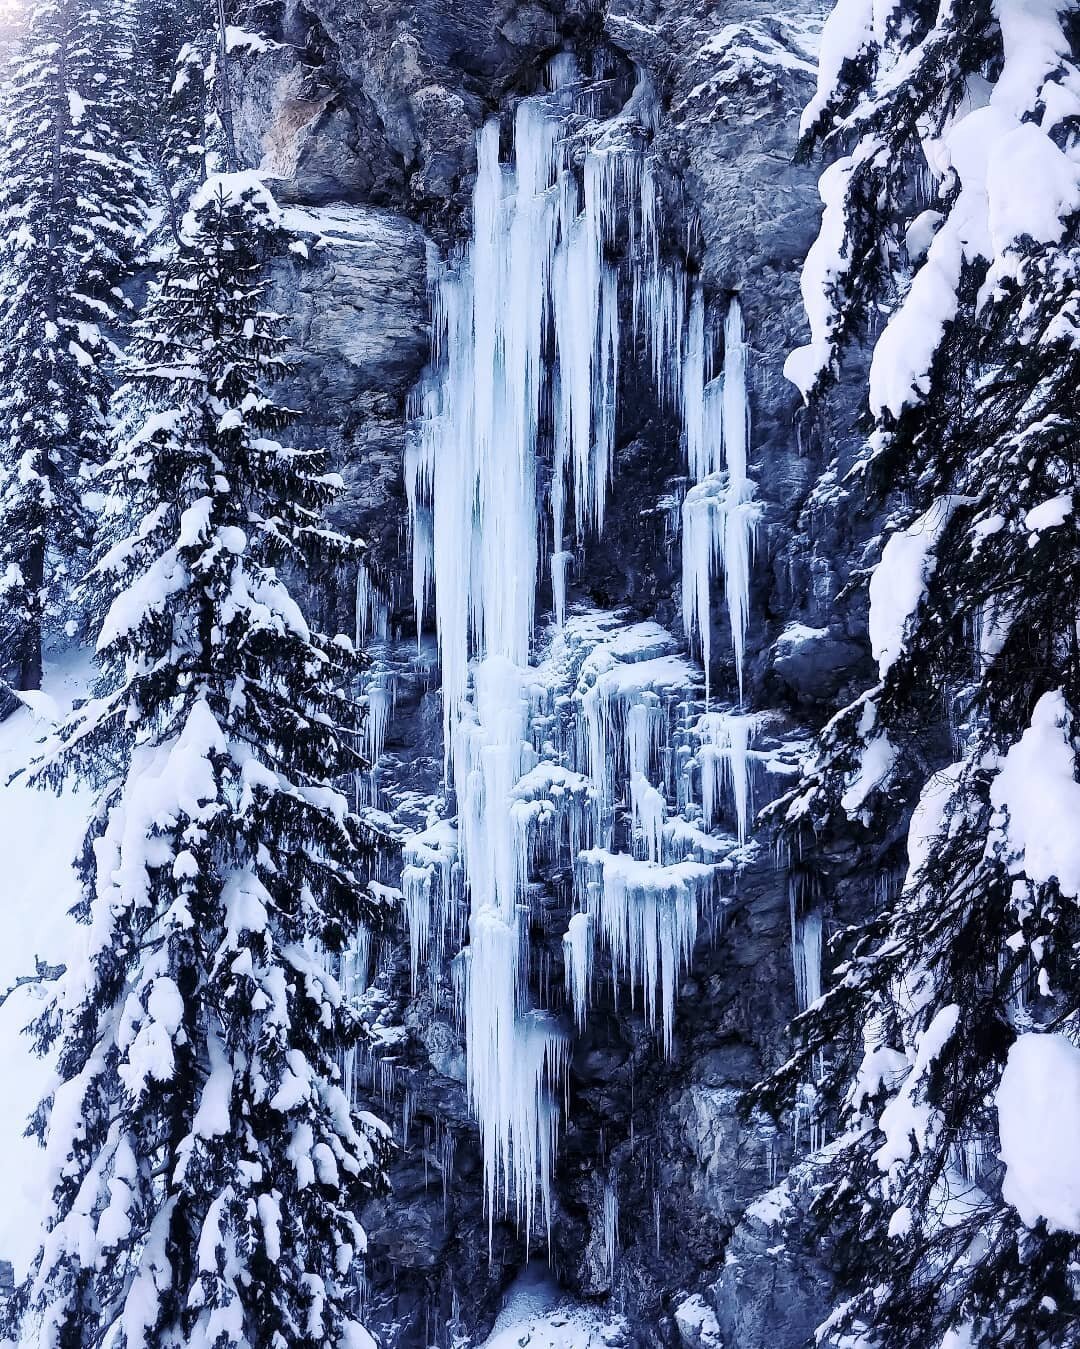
(206, 1166)
(70, 218)
(169, 72)
(953, 200)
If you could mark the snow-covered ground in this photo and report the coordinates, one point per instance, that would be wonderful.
(40, 835)
(538, 1313)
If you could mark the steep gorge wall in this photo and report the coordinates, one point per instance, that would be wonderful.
(366, 116)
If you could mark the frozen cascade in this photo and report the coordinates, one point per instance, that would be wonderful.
(431, 884)
(807, 937)
(720, 514)
(371, 610)
(725, 762)
(649, 815)
(647, 916)
(379, 694)
(702, 397)
(524, 374)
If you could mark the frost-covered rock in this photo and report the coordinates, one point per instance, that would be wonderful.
(697, 1324)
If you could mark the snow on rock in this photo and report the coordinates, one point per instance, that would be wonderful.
(697, 1325)
(1038, 1105)
(1038, 801)
(743, 59)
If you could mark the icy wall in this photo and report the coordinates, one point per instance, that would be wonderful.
(544, 282)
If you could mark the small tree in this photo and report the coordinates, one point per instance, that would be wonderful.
(206, 1165)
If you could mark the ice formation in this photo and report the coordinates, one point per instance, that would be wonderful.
(371, 609)
(611, 1224)
(726, 764)
(720, 514)
(511, 450)
(806, 937)
(647, 915)
(578, 955)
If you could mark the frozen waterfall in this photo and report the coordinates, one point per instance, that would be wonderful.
(565, 746)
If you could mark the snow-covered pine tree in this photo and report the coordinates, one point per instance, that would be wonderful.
(206, 1166)
(169, 73)
(70, 220)
(186, 73)
(949, 1193)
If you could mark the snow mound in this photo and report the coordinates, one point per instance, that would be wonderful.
(1038, 1104)
(537, 1313)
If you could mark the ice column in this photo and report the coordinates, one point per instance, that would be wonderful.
(806, 939)
(720, 514)
(724, 759)
(535, 266)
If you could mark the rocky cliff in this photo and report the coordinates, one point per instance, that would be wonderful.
(365, 117)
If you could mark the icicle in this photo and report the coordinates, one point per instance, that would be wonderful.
(380, 699)
(649, 814)
(720, 515)
(724, 760)
(736, 418)
(371, 609)
(702, 396)
(578, 958)
(647, 915)
(416, 888)
(806, 938)
(611, 1224)
(806, 945)
(560, 565)
(643, 727)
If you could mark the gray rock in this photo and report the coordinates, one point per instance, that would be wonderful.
(358, 309)
(697, 1325)
(813, 662)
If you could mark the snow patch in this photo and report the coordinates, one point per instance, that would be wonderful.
(1038, 1105)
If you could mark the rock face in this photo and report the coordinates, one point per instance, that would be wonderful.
(365, 116)
(355, 287)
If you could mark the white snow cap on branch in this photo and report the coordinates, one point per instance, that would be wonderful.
(1038, 1105)
(997, 137)
(900, 579)
(1038, 801)
(232, 189)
